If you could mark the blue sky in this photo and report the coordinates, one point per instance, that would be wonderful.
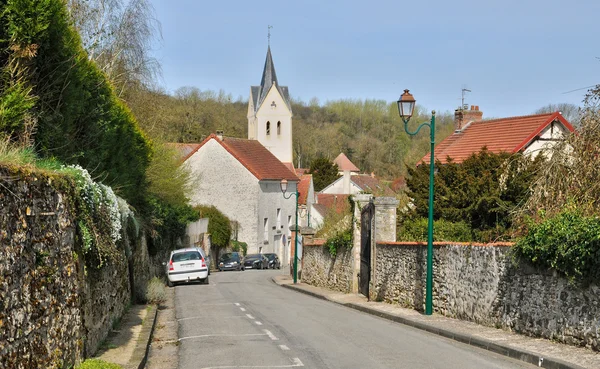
(515, 56)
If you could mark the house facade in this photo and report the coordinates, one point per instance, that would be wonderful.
(242, 179)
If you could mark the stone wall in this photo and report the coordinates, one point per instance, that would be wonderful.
(481, 283)
(320, 269)
(54, 310)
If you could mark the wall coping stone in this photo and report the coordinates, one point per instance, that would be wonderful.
(386, 201)
(316, 242)
(443, 243)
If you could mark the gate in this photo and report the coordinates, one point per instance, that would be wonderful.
(366, 222)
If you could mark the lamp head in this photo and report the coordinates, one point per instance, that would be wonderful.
(283, 185)
(406, 105)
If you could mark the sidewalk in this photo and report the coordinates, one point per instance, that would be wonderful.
(541, 352)
(127, 345)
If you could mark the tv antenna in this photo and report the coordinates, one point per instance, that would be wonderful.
(463, 93)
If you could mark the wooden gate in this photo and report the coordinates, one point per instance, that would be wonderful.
(366, 222)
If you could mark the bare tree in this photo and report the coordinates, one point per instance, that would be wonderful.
(570, 111)
(118, 36)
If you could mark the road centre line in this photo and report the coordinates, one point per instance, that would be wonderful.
(249, 316)
(204, 317)
(242, 309)
(236, 303)
(271, 335)
(295, 363)
(223, 335)
(284, 347)
(258, 323)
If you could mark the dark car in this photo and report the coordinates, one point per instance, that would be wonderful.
(231, 261)
(274, 262)
(256, 261)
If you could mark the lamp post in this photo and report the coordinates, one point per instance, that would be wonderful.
(406, 106)
(283, 185)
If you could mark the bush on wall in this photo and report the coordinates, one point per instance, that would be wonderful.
(568, 242)
(443, 230)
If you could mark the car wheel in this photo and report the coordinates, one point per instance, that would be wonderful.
(243, 269)
(169, 283)
(205, 281)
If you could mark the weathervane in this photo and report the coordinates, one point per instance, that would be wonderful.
(269, 35)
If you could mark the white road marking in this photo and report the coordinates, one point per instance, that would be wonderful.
(258, 323)
(284, 347)
(242, 309)
(216, 304)
(236, 303)
(295, 363)
(222, 335)
(271, 335)
(249, 316)
(204, 317)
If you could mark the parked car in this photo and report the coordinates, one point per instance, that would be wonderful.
(231, 261)
(256, 261)
(187, 265)
(274, 262)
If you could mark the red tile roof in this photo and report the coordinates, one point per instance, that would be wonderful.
(371, 184)
(330, 201)
(344, 163)
(254, 156)
(498, 135)
(184, 149)
(301, 171)
(303, 188)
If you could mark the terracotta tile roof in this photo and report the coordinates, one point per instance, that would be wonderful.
(290, 167)
(498, 135)
(326, 201)
(184, 149)
(254, 156)
(371, 184)
(344, 163)
(303, 188)
(301, 171)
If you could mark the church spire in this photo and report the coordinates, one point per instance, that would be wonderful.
(269, 77)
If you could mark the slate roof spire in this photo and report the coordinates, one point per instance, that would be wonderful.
(269, 78)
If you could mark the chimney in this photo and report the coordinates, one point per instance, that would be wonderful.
(346, 182)
(220, 134)
(464, 116)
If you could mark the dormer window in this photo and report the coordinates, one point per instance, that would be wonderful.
(268, 128)
(278, 128)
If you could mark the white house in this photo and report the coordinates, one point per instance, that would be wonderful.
(242, 179)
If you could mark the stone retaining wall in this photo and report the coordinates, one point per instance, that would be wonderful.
(320, 269)
(481, 283)
(54, 310)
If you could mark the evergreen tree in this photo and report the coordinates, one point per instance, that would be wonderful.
(324, 172)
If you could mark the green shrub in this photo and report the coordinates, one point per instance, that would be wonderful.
(568, 242)
(338, 241)
(155, 292)
(443, 230)
(219, 225)
(239, 246)
(98, 364)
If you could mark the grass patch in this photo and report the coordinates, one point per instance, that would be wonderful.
(156, 292)
(97, 364)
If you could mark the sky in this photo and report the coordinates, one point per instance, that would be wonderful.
(514, 56)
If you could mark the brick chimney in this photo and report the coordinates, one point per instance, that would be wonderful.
(462, 117)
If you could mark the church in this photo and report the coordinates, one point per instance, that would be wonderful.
(241, 177)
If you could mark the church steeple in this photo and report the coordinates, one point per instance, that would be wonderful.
(270, 113)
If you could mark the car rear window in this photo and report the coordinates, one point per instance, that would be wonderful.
(185, 256)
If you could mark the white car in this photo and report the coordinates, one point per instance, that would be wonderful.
(187, 265)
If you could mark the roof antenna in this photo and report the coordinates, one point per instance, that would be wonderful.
(269, 35)
(464, 91)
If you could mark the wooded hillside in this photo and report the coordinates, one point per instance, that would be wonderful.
(369, 132)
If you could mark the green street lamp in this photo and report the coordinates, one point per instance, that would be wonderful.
(283, 185)
(406, 106)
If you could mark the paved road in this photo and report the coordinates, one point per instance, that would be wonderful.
(244, 320)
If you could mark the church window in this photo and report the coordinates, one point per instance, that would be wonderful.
(278, 128)
(268, 128)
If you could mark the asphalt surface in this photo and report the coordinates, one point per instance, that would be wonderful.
(244, 320)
